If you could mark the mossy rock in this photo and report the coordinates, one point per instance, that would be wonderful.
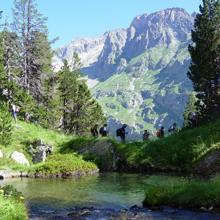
(209, 164)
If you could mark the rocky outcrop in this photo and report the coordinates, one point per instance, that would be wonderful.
(19, 158)
(39, 151)
(209, 163)
(102, 152)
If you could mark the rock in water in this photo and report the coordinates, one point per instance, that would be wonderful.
(19, 158)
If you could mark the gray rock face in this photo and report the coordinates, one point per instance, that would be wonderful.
(209, 164)
(88, 50)
(19, 158)
(161, 28)
(39, 151)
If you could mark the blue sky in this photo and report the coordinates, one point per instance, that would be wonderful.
(68, 19)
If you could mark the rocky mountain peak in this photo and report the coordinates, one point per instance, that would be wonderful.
(164, 27)
(87, 48)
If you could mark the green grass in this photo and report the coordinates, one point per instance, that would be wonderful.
(181, 150)
(25, 133)
(181, 192)
(12, 205)
(65, 164)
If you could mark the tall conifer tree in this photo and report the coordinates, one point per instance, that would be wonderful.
(79, 109)
(30, 28)
(203, 71)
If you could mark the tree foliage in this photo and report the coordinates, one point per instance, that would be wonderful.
(204, 70)
(79, 109)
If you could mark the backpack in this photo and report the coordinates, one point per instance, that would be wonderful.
(158, 134)
(118, 132)
(101, 131)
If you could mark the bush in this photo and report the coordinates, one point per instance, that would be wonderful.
(64, 165)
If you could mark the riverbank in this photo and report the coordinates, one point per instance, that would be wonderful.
(194, 194)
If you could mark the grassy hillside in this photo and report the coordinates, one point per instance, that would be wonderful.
(25, 133)
(180, 150)
(177, 152)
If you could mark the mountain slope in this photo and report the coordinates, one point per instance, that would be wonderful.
(141, 71)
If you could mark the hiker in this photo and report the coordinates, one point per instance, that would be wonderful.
(146, 135)
(103, 131)
(173, 128)
(94, 131)
(160, 132)
(121, 133)
(192, 118)
(14, 110)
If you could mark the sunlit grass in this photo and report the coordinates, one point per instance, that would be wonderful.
(182, 192)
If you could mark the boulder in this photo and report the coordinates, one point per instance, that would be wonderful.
(101, 151)
(19, 158)
(1, 154)
(39, 151)
(209, 163)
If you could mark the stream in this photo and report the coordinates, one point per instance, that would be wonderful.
(107, 196)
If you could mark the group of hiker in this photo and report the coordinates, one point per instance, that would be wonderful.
(121, 132)
(103, 131)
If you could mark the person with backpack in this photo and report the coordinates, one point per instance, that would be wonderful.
(160, 132)
(103, 131)
(192, 118)
(173, 128)
(146, 135)
(14, 110)
(122, 133)
(94, 131)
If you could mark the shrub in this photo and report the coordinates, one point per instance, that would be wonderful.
(64, 165)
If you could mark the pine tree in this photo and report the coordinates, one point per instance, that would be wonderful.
(40, 63)
(11, 67)
(79, 110)
(203, 71)
(29, 26)
(51, 101)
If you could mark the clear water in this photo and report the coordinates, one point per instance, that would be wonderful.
(106, 190)
(46, 197)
